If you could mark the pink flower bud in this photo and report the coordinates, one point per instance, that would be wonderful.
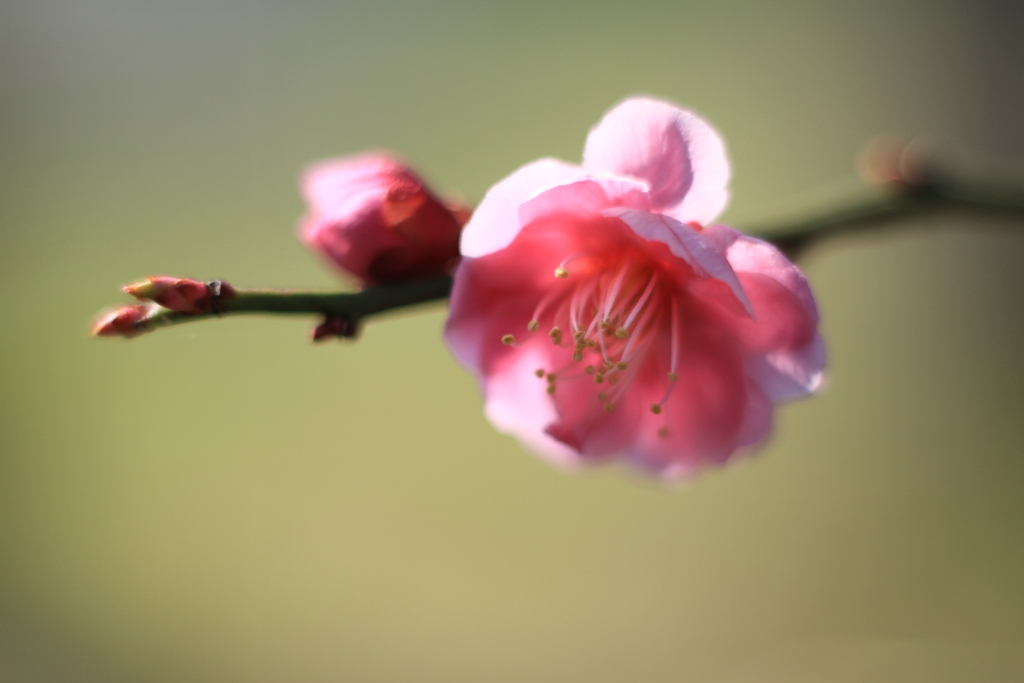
(373, 217)
(129, 321)
(177, 294)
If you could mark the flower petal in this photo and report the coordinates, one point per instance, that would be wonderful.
(789, 375)
(335, 187)
(496, 221)
(516, 403)
(683, 241)
(781, 321)
(757, 422)
(585, 424)
(587, 197)
(705, 416)
(793, 360)
(482, 311)
(676, 152)
(749, 254)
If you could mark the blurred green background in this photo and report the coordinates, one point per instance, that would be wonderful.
(227, 502)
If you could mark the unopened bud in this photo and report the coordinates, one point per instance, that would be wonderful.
(129, 321)
(178, 294)
(335, 327)
(896, 163)
(373, 216)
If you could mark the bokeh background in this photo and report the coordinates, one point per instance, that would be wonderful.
(227, 502)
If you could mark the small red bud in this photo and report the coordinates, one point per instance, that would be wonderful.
(335, 327)
(129, 321)
(178, 294)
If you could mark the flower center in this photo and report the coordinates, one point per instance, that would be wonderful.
(607, 318)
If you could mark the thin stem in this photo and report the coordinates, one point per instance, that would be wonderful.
(353, 307)
(348, 310)
(901, 203)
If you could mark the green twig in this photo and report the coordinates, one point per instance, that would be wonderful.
(901, 203)
(347, 310)
(351, 307)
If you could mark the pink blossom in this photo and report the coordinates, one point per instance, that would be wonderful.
(604, 321)
(373, 217)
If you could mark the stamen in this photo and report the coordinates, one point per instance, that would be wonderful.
(604, 350)
(581, 299)
(640, 302)
(668, 392)
(508, 340)
(549, 298)
(663, 432)
(638, 335)
(604, 312)
(561, 271)
(609, 301)
(675, 337)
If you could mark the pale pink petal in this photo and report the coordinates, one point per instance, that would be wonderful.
(680, 156)
(339, 187)
(496, 221)
(482, 310)
(781, 319)
(757, 422)
(587, 197)
(789, 375)
(700, 254)
(749, 254)
(789, 355)
(516, 403)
